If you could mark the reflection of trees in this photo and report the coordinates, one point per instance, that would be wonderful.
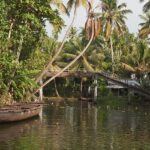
(15, 132)
(85, 126)
(127, 127)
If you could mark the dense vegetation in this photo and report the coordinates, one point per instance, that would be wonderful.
(27, 53)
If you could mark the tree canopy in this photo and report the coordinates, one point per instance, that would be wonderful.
(27, 53)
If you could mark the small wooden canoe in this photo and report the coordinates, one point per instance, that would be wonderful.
(19, 112)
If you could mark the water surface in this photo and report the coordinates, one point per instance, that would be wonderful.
(80, 126)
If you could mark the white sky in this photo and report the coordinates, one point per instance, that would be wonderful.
(132, 22)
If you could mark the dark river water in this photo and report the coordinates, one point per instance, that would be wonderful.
(81, 126)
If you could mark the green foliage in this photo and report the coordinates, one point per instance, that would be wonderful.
(92, 60)
(21, 82)
(26, 19)
(25, 49)
(102, 87)
(145, 25)
(113, 17)
(22, 30)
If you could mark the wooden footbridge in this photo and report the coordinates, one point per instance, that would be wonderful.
(109, 77)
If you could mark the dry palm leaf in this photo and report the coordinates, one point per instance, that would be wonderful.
(128, 67)
(92, 24)
(108, 29)
(98, 27)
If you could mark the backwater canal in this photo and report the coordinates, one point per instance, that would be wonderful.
(108, 125)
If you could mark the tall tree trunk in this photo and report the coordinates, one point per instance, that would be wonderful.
(59, 50)
(112, 54)
(19, 49)
(10, 30)
(70, 64)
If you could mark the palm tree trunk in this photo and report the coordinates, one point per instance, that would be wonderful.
(70, 64)
(59, 50)
(10, 31)
(112, 54)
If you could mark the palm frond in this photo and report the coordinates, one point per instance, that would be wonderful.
(144, 32)
(127, 67)
(146, 7)
(87, 65)
(70, 4)
(123, 5)
(108, 29)
(63, 8)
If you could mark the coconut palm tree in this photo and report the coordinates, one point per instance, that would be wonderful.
(113, 16)
(138, 57)
(145, 26)
(92, 60)
(70, 4)
(91, 27)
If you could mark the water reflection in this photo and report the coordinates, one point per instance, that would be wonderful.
(80, 125)
(9, 131)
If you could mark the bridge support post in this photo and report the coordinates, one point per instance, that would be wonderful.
(81, 87)
(95, 89)
(89, 91)
(41, 91)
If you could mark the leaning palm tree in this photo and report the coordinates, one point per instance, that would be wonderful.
(70, 4)
(113, 16)
(145, 26)
(92, 60)
(92, 27)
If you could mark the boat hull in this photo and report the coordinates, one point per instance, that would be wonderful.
(19, 112)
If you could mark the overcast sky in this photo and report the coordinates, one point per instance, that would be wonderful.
(132, 22)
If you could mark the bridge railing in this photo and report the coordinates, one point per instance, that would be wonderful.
(129, 82)
(112, 77)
